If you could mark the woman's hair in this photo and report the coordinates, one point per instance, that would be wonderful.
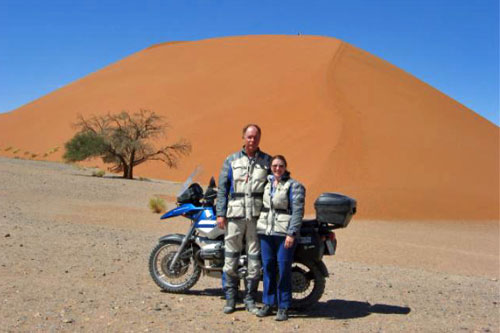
(279, 157)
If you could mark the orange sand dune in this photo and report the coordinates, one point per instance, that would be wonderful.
(347, 121)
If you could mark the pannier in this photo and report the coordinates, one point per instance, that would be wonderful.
(335, 208)
(309, 244)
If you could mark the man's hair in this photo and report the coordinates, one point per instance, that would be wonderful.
(252, 125)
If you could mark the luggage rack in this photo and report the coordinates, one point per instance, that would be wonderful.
(311, 225)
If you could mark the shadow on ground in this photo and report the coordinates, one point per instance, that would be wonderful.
(332, 309)
(204, 292)
(343, 309)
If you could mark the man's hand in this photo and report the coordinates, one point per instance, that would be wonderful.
(221, 222)
(289, 241)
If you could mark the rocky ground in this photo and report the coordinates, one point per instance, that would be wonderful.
(75, 251)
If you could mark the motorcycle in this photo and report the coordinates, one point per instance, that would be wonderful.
(178, 260)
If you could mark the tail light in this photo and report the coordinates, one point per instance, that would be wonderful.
(330, 236)
(330, 243)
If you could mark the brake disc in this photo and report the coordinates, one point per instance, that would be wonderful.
(179, 268)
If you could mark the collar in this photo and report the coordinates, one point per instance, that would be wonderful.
(283, 179)
(245, 152)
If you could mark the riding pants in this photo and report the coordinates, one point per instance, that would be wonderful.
(238, 231)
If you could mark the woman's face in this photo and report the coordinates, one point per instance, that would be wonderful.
(278, 168)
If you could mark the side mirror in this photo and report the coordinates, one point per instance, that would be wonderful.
(211, 193)
(212, 182)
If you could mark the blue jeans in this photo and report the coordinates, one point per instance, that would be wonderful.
(275, 258)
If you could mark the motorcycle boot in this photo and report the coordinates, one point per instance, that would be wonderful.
(231, 291)
(265, 311)
(251, 295)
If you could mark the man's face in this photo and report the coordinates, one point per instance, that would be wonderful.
(251, 139)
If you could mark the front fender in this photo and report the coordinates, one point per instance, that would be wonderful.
(176, 238)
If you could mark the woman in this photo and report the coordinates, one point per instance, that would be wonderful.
(278, 227)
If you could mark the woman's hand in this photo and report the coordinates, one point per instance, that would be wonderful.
(289, 241)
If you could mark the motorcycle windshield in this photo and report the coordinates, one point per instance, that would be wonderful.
(189, 179)
(187, 208)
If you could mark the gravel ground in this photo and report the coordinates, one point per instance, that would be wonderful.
(75, 251)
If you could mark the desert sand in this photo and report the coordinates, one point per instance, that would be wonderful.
(75, 251)
(347, 121)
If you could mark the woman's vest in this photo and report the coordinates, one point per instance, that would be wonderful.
(248, 181)
(275, 215)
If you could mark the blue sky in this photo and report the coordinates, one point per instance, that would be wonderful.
(452, 45)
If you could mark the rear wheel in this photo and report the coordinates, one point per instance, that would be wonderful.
(182, 276)
(308, 284)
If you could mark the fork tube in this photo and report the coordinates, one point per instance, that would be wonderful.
(183, 245)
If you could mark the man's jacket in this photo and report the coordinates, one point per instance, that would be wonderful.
(241, 185)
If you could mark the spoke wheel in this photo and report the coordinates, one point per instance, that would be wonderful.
(308, 284)
(182, 276)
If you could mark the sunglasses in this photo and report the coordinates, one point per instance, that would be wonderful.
(277, 166)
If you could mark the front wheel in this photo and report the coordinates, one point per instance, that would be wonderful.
(184, 274)
(308, 284)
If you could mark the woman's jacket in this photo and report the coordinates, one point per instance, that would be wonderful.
(283, 207)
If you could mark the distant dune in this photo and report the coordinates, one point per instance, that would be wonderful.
(346, 120)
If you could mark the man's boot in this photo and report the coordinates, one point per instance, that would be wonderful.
(231, 291)
(251, 295)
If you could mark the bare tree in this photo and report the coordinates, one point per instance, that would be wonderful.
(124, 140)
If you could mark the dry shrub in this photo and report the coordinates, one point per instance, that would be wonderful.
(157, 205)
(98, 173)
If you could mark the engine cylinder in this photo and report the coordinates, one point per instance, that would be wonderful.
(211, 254)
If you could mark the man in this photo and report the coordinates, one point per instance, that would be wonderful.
(239, 201)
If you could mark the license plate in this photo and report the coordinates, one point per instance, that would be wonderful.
(305, 240)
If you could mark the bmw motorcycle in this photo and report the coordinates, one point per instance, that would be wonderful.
(178, 260)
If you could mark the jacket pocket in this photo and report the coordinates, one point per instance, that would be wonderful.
(282, 222)
(240, 170)
(235, 208)
(259, 178)
(262, 222)
(259, 172)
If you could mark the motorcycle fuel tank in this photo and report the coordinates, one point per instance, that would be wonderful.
(181, 210)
